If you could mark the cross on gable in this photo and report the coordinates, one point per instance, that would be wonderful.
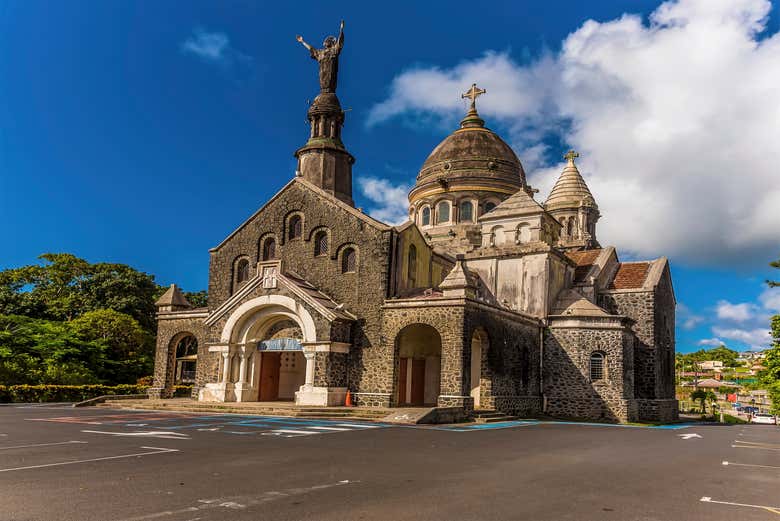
(473, 93)
(570, 155)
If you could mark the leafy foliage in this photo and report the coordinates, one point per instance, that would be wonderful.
(65, 287)
(774, 283)
(721, 353)
(73, 393)
(70, 322)
(771, 376)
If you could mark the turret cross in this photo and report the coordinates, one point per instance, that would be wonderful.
(473, 93)
(570, 155)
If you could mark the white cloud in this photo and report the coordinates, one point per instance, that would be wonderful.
(714, 342)
(735, 312)
(212, 47)
(390, 203)
(674, 120)
(687, 317)
(770, 299)
(755, 338)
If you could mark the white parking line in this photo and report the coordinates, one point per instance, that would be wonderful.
(41, 445)
(751, 447)
(730, 463)
(292, 431)
(155, 450)
(774, 510)
(168, 435)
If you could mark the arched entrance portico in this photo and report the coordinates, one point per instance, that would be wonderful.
(280, 367)
(262, 352)
(418, 348)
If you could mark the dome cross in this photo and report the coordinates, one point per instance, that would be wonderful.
(473, 93)
(570, 156)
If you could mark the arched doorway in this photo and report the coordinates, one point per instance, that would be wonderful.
(186, 359)
(279, 366)
(479, 346)
(419, 365)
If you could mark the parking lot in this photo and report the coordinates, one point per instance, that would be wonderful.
(61, 463)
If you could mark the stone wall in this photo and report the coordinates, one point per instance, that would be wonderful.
(569, 390)
(639, 306)
(664, 319)
(330, 370)
(361, 292)
(662, 411)
(510, 369)
(446, 316)
(169, 331)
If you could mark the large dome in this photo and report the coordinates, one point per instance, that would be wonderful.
(473, 158)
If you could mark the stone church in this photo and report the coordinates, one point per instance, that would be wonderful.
(484, 300)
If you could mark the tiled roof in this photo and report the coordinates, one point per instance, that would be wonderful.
(584, 260)
(173, 297)
(630, 275)
(318, 296)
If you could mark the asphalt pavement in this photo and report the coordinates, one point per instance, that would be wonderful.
(60, 463)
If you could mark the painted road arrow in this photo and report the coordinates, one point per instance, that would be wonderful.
(689, 436)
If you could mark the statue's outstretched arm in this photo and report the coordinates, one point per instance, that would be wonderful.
(340, 42)
(303, 42)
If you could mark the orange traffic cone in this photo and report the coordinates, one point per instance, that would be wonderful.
(348, 400)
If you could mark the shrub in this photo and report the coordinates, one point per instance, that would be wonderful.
(63, 393)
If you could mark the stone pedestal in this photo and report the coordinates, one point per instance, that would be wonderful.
(320, 396)
(217, 392)
(244, 392)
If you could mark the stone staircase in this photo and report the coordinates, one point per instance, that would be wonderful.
(252, 408)
(490, 416)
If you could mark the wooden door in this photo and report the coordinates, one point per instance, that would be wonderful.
(418, 382)
(402, 381)
(269, 376)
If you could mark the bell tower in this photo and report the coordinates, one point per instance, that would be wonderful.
(324, 160)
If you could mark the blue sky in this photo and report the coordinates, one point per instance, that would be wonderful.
(144, 132)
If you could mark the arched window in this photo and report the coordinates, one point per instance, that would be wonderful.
(269, 249)
(523, 233)
(295, 228)
(443, 212)
(466, 211)
(426, 216)
(349, 260)
(242, 271)
(411, 268)
(320, 243)
(186, 360)
(597, 366)
(489, 206)
(570, 228)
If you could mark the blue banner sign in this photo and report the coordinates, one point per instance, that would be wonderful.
(280, 344)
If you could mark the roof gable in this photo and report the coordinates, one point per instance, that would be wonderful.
(299, 182)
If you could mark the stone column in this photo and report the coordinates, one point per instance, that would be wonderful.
(243, 389)
(318, 388)
(310, 358)
(226, 367)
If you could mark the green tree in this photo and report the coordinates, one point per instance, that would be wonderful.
(724, 354)
(64, 287)
(774, 283)
(771, 375)
(37, 351)
(126, 349)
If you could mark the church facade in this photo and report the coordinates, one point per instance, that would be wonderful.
(485, 299)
